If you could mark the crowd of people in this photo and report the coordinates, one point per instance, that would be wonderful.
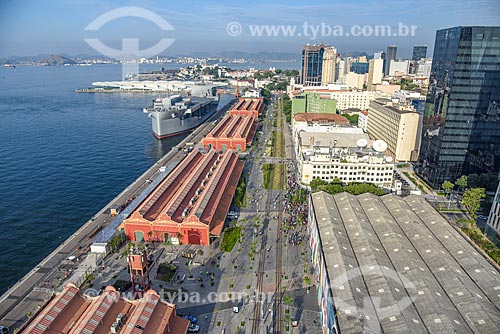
(295, 206)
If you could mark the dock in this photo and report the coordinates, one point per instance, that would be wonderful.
(40, 284)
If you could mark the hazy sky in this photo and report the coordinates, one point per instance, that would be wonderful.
(29, 27)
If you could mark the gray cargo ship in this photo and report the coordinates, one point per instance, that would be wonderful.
(177, 114)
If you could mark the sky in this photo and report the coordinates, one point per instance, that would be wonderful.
(31, 27)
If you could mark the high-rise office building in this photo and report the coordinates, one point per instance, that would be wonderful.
(329, 63)
(382, 56)
(360, 67)
(461, 127)
(390, 55)
(375, 72)
(419, 52)
(312, 65)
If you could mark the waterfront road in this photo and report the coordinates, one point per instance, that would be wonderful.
(39, 284)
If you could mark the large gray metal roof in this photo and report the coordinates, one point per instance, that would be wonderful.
(404, 260)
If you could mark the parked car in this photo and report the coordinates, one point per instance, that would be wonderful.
(4, 330)
(193, 328)
(191, 318)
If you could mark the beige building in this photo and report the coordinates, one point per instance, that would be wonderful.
(355, 80)
(329, 62)
(340, 69)
(387, 88)
(375, 72)
(400, 129)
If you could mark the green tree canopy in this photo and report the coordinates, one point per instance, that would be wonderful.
(462, 182)
(472, 200)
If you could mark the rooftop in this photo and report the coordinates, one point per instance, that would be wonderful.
(334, 139)
(248, 103)
(402, 253)
(233, 126)
(386, 103)
(321, 117)
(200, 187)
(69, 312)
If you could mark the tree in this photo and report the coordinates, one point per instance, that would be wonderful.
(288, 299)
(462, 182)
(472, 200)
(447, 187)
(316, 182)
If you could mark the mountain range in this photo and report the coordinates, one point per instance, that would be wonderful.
(63, 58)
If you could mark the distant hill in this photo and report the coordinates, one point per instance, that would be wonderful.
(244, 55)
(356, 54)
(54, 60)
(260, 55)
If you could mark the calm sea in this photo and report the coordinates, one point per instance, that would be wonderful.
(65, 155)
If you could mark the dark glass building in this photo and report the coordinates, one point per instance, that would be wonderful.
(312, 65)
(390, 55)
(360, 68)
(461, 126)
(419, 52)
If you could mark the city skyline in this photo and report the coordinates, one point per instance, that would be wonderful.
(32, 28)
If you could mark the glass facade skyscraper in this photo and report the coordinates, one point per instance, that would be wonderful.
(390, 55)
(312, 65)
(461, 126)
(419, 52)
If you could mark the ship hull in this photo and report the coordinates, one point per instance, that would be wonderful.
(164, 126)
(173, 134)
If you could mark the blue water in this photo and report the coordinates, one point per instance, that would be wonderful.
(65, 155)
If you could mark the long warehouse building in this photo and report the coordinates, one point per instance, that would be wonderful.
(248, 107)
(190, 205)
(232, 132)
(71, 312)
(395, 265)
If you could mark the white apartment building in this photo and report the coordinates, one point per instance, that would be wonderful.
(253, 93)
(354, 99)
(346, 99)
(423, 68)
(349, 157)
(363, 120)
(399, 66)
